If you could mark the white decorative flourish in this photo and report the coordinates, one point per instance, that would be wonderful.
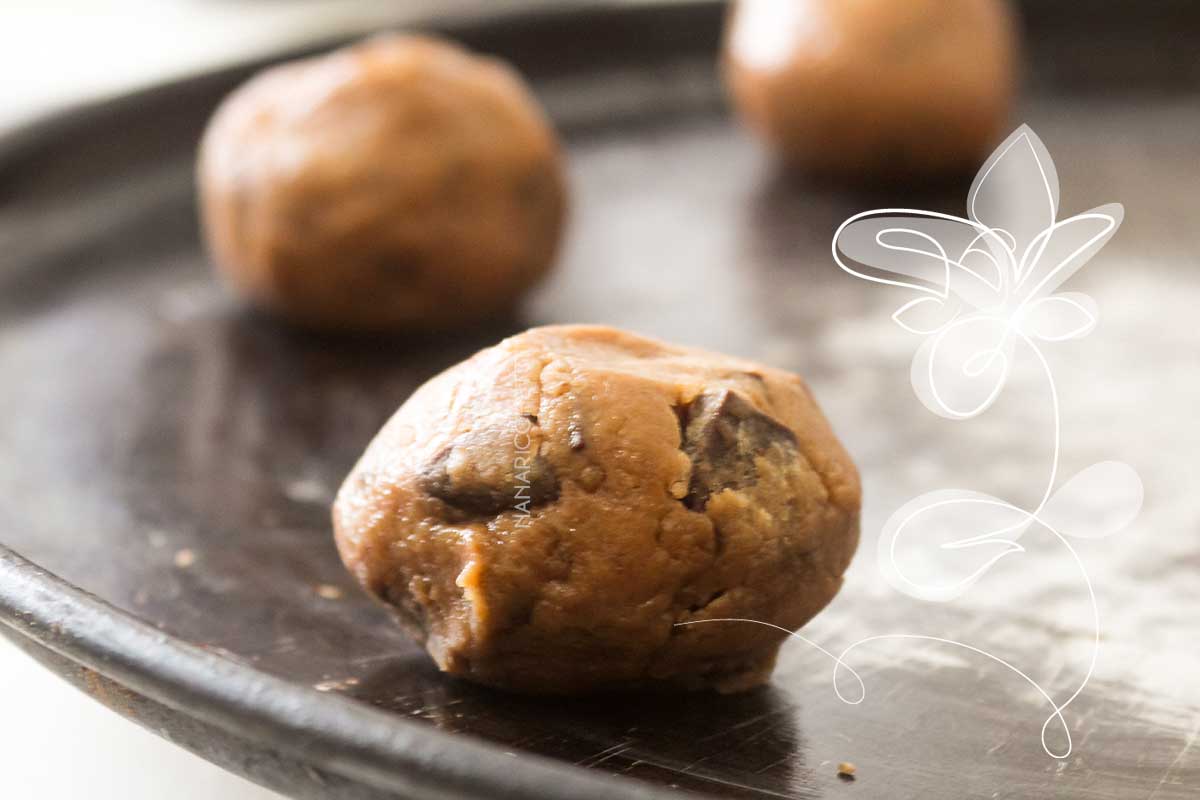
(985, 289)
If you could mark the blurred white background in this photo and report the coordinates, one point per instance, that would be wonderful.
(58, 744)
(54, 52)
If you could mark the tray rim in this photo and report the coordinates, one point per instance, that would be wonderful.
(337, 734)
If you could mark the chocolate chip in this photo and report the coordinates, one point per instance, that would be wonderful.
(531, 482)
(722, 434)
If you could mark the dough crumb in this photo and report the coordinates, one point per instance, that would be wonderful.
(329, 591)
(307, 490)
(846, 770)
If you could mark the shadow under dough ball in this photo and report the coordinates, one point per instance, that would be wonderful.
(543, 515)
(402, 182)
(873, 87)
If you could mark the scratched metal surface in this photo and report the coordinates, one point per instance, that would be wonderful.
(175, 455)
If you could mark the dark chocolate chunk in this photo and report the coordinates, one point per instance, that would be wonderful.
(532, 482)
(722, 433)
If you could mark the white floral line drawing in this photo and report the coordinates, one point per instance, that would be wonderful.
(972, 310)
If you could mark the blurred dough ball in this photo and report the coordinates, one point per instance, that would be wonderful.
(873, 87)
(402, 182)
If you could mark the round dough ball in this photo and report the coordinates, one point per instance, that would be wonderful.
(399, 183)
(543, 515)
(873, 87)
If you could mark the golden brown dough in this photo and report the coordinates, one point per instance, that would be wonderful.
(401, 182)
(543, 514)
(870, 87)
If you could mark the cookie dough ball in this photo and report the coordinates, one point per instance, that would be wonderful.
(543, 515)
(870, 87)
(402, 182)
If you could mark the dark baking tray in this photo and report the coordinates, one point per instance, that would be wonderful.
(146, 421)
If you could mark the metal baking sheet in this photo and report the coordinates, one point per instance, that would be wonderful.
(171, 457)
